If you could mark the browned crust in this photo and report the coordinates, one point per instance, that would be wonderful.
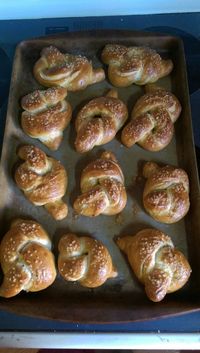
(85, 260)
(156, 263)
(166, 193)
(74, 72)
(139, 65)
(102, 186)
(99, 120)
(43, 180)
(26, 259)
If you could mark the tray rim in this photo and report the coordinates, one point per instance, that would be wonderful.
(193, 307)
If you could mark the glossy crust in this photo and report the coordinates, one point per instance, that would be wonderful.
(152, 120)
(74, 72)
(43, 180)
(102, 187)
(99, 120)
(85, 260)
(139, 65)
(26, 259)
(46, 114)
(155, 262)
(166, 192)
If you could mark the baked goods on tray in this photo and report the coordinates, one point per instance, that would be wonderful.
(102, 188)
(139, 65)
(99, 120)
(85, 260)
(152, 120)
(75, 72)
(43, 180)
(156, 263)
(26, 259)
(46, 114)
(166, 192)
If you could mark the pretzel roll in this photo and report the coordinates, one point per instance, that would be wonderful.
(26, 259)
(85, 260)
(99, 120)
(43, 180)
(74, 72)
(46, 114)
(166, 192)
(155, 262)
(139, 65)
(152, 120)
(102, 187)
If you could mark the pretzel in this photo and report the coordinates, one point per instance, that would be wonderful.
(99, 120)
(166, 192)
(46, 115)
(155, 262)
(85, 260)
(152, 120)
(102, 187)
(74, 72)
(139, 65)
(26, 259)
(43, 180)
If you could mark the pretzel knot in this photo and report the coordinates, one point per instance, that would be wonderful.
(26, 259)
(85, 260)
(98, 121)
(46, 115)
(139, 65)
(102, 187)
(166, 192)
(152, 120)
(74, 72)
(43, 180)
(155, 262)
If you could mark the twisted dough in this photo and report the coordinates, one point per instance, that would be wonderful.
(139, 65)
(166, 192)
(152, 120)
(155, 262)
(26, 259)
(98, 121)
(102, 187)
(85, 260)
(74, 72)
(46, 115)
(43, 180)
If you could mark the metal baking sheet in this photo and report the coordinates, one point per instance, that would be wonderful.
(121, 299)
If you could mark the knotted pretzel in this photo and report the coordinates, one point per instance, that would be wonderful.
(74, 72)
(46, 115)
(102, 187)
(85, 260)
(139, 65)
(155, 262)
(43, 180)
(152, 120)
(99, 120)
(166, 192)
(26, 259)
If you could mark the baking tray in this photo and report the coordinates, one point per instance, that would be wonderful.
(121, 299)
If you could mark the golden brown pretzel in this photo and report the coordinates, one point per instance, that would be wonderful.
(166, 192)
(139, 65)
(43, 180)
(152, 120)
(102, 187)
(85, 260)
(99, 120)
(46, 115)
(26, 259)
(155, 262)
(74, 72)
